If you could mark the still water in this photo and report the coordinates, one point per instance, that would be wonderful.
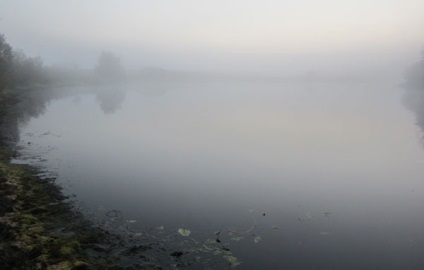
(285, 175)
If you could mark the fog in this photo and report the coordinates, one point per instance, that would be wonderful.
(273, 133)
(252, 37)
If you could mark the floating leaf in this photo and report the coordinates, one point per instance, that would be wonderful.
(257, 239)
(237, 238)
(217, 252)
(209, 242)
(184, 232)
(233, 261)
(308, 216)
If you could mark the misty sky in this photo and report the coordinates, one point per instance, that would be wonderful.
(244, 35)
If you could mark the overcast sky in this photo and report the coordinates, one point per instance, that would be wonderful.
(220, 34)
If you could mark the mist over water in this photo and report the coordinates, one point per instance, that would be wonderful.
(279, 130)
(331, 172)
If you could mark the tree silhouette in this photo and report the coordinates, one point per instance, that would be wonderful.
(109, 68)
(6, 64)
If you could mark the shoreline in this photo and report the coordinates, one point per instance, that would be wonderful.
(39, 227)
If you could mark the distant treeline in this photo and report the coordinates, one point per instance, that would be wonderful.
(20, 71)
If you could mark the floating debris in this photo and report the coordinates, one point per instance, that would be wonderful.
(233, 261)
(161, 228)
(50, 133)
(308, 216)
(324, 233)
(327, 214)
(113, 213)
(275, 227)
(257, 239)
(132, 221)
(184, 232)
(237, 238)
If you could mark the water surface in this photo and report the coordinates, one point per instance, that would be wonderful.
(331, 173)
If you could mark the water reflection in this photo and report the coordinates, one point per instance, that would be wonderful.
(110, 97)
(31, 103)
(413, 97)
(321, 168)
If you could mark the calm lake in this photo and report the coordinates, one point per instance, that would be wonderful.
(270, 175)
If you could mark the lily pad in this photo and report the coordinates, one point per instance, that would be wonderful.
(233, 261)
(257, 239)
(217, 252)
(184, 231)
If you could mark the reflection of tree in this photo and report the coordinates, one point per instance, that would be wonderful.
(110, 98)
(414, 95)
(18, 109)
(414, 101)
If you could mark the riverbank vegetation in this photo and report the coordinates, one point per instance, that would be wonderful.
(39, 228)
(17, 70)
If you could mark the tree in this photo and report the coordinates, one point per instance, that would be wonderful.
(18, 69)
(6, 64)
(109, 68)
(27, 70)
